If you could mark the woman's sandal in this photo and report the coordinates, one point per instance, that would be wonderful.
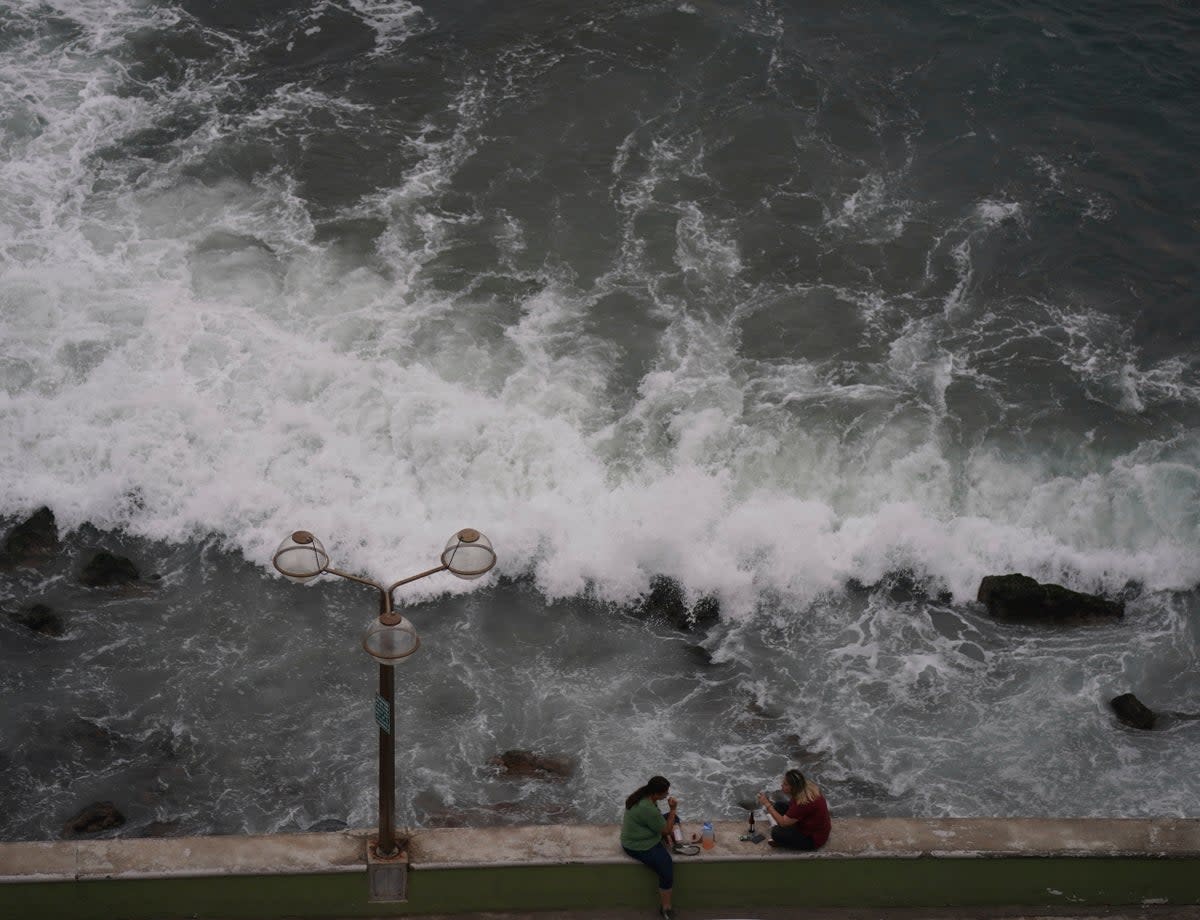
(686, 849)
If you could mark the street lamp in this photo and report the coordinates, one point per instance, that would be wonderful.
(390, 639)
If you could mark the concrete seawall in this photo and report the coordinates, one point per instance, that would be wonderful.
(885, 862)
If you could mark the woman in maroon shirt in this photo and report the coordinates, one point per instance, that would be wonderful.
(804, 825)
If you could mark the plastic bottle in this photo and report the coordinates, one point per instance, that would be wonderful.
(708, 839)
(677, 833)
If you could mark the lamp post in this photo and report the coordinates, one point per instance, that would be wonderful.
(390, 639)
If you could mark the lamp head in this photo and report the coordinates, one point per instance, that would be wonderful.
(469, 554)
(390, 639)
(301, 556)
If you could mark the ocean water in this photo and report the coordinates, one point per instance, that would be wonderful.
(823, 310)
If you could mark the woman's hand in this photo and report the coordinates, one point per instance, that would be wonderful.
(671, 803)
(762, 799)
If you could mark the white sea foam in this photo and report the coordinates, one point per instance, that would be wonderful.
(875, 209)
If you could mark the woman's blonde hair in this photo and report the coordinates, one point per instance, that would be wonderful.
(803, 790)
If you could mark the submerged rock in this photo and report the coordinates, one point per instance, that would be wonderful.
(105, 570)
(89, 741)
(703, 657)
(1019, 597)
(41, 619)
(1132, 711)
(97, 817)
(538, 766)
(31, 542)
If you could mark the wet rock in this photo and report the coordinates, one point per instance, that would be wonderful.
(1019, 597)
(88, 740)
(41, 619)
(105, 570)
(705, 612)
(699, 655)
(97, 817)
(165, 744)
(328, 824)
(1132, 711)
(947, 622)
(757, 710)
(517, 763)
(31, 542)
(755, 722)
(804, 758)
(666, 601)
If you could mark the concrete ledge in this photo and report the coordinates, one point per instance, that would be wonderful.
(182, 857)
(868, 863)
(852, 838)
(462, 848)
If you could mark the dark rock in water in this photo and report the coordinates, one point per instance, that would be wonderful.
(705, 612)
(754, 722)
(105, 570)
(328, 824)
(41, 619)
(31, 542)
(1132, 711)
(666, 601)
(803, 758)
(703, 657)
(1019, 597)
(97, 817)
(86, 740)
(165, 744)
(527, 763)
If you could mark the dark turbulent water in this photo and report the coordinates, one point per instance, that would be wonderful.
(822, 310)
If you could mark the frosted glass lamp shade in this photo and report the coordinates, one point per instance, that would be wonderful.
(301, 556)
(468, 554)
(389, 643)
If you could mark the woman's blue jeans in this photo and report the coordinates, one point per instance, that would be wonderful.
(659, 860)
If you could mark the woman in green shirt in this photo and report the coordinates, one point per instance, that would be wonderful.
(642, 833)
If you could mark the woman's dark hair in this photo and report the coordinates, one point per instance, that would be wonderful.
(657, 785)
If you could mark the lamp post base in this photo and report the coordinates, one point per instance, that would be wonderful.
(387, 876)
